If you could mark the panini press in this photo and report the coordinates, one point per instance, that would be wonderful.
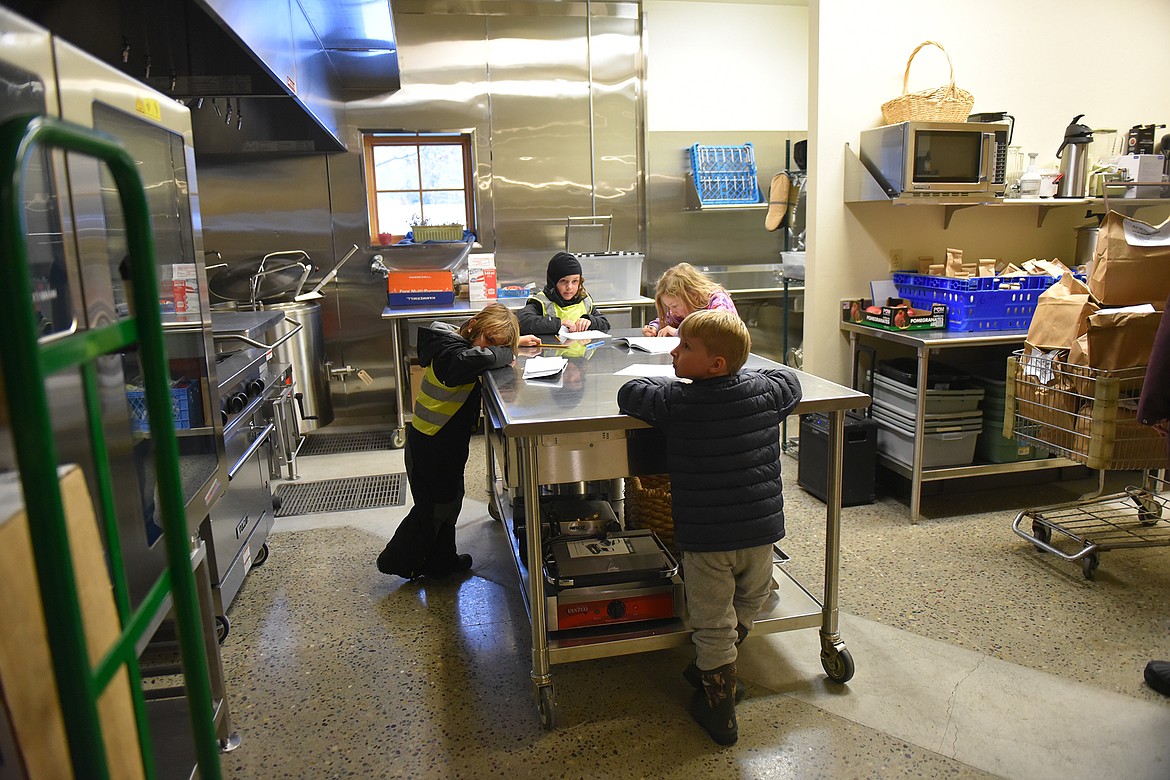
(608, 578)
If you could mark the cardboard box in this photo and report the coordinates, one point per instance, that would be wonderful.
(1141, 167)
(895, 317)
(26, 670)
(420, 288)
(481, 277)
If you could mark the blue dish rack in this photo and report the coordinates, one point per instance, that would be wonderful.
(978, 303)
(725, 175)
(186, 410)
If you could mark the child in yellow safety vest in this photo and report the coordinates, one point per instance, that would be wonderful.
(563, 303)
(438, 438)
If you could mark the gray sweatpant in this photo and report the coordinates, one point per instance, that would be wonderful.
(724, 589)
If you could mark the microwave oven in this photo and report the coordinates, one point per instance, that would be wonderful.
(956, 160)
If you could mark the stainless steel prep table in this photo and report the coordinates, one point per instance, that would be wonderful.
(924, 343)
(400, 318)
(539, 434)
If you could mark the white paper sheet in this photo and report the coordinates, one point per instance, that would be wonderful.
(536, 367)
(582, 335)
(647, 369)
(655, 345)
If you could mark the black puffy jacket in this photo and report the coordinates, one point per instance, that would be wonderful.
(722, 453)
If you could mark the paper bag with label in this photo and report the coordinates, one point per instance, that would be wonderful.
(1062, 313)
(1131, 263)
(1116, 339)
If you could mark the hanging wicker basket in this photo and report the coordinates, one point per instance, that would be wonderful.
(947, 103)
(648, 506)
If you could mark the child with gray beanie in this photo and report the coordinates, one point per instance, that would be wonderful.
(563, 303)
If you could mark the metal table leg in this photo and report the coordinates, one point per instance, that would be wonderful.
(541, 666)
(401, 385)
(919, 430)
(835, 659)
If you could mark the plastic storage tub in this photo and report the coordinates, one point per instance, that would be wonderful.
(938, 449)
(937, 401)
(931, 423)
(905, 371)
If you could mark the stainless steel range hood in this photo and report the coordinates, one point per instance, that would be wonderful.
(319, 52)
(284, 68)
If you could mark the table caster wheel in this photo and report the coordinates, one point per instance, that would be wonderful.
(223, 627)
(261, 556)
(838, 664)
(398, 439)
(546, 703)
(1089, 565)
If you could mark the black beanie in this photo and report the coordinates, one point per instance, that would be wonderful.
(562, 264)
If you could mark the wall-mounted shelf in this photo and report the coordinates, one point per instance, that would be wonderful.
(861, 187)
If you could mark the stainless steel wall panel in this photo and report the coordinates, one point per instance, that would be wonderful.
(614, 52)
(551, 98)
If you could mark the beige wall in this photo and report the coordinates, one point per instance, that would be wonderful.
(735, 66)
(1043, 61)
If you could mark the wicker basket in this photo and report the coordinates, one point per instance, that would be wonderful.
(436, 232)
(648, 506)
(943, 104)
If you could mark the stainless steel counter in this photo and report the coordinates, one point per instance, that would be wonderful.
(570, 430)
(400, 318)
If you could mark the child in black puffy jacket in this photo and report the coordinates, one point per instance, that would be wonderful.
(723, 454)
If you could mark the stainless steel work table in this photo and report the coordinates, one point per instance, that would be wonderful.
(539, 434)
(924, 343)
(400, 318)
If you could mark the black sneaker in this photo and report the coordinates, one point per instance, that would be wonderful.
(1157, 676)
(442, 568)
(387, 565)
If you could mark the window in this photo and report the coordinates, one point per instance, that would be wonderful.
(417, 178)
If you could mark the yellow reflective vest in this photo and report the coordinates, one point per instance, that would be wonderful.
(437, 403)
(574, 311)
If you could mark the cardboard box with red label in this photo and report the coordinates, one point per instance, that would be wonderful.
(420, 288)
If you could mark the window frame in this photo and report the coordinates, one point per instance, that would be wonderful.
(373, 139)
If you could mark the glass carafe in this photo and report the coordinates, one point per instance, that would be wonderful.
(1013, 170)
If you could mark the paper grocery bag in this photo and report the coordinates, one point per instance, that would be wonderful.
(1131, 263)
(1117, 339)
(1062, 313)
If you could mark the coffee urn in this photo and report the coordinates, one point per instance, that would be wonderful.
(1074, 160)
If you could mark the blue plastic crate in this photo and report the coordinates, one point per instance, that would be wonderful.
(186, 410)
(725, 175)
(977, 303)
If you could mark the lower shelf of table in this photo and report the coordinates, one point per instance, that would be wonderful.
(975, 469)
(789, 607)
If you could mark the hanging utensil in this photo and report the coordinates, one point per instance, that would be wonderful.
(315, 293)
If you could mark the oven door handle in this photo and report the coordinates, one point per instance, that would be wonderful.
(298, 326)
(248, 453)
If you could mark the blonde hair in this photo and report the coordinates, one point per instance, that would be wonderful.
(688, 284)
(722, 333)
(496, 323)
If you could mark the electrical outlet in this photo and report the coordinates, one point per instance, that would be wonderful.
(895, 259)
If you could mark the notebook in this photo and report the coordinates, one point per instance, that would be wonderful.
(655, 345)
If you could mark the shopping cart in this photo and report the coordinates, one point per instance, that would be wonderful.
(1089, 415)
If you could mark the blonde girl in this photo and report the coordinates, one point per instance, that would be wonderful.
(681, 290)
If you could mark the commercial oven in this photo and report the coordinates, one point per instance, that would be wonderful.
(254, 396)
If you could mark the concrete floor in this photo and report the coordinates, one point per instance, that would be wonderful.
(976, 656)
